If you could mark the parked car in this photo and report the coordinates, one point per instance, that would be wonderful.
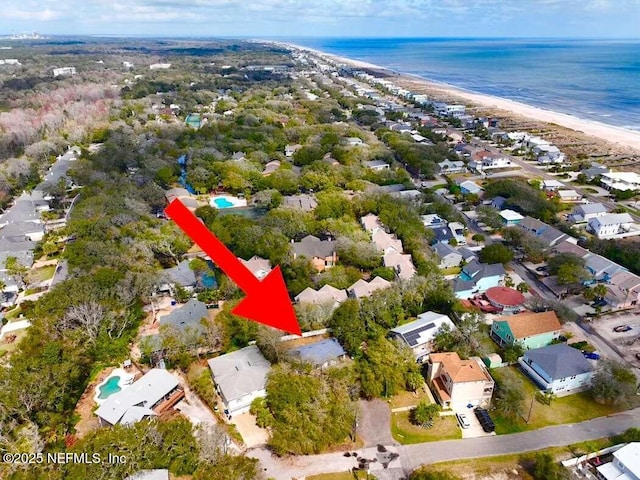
(599, 303)
(485, 420)
(591, 355)
(463, 420)
(622, 328)
(544, 268)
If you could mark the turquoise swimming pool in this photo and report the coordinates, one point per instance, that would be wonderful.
(109, 387)
(222, 202)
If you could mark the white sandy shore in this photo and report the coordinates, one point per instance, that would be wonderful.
(617, 135)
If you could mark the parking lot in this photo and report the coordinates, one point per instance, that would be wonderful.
(627, 343)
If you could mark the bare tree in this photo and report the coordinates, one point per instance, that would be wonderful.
(87, 317)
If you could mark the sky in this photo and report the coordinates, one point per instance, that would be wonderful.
(325, 18)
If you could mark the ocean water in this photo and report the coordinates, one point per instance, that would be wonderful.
(594, 79)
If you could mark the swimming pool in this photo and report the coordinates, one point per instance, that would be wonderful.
(222, 202)
(109, 387)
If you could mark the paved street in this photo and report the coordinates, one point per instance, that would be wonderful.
(412, 456)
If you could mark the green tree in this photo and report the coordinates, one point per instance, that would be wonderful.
(478, 238)
(546, 468)
(613, 383)
(496, 253)
(424, 413)
(522, 287)
(508, 398)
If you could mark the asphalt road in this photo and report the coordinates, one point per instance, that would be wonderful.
(413, 456)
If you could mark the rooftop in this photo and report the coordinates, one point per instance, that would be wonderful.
(319, 353)
(505, 296)
(461, 370)
(560, 360)
(311, 247)
(424, 329)
(240, 373)
(528, 324)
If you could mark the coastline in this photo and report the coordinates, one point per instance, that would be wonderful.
(622, 141)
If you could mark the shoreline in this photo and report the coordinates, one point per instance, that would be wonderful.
(612, 134)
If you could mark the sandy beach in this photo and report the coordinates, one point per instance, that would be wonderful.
(621, 141)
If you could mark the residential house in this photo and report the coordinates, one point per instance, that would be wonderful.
(320, 354)
(485, 160)
(584, 213)
(240, 377)
(433, 220)
(289, 150)
(623, 290)
(401, 263)
(377, 165)
(558, 369)
(552, 185)
(326, 295)
(601, 269)
(569, 196)
(498, 202)
(458, 230)
(530, 329)
(363, 289)
(449, 167)
(181, 275)
(549, 235)
(270, 167)
(442, 235)
(304, 202)
(613, 225)
(420, 333)
(58, 72)
(183, 195)
(386, 242)
(449, 256)
(354, 141)
(510, 217)
(321, 253)
(260, 267)
(625, 464)
(371, 223)
(594, 171)
(467, 254)
(154, 393)
(620, 181)
(469, 187)
(329, 160)
(238, 156)
(457, 383)
(548, 154)
(477, 278)
(159, 66)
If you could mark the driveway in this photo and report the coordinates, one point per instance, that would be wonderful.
(373, 423)
(474, 430)
(252, 434)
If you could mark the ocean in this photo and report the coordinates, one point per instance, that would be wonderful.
(592, 79)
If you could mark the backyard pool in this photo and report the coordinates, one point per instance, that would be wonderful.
(227, 201)
(109, 387)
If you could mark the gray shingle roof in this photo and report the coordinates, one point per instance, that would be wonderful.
(320, 352)
(240, 373)
(181, 274)
(560, 360)
(188, 315)
(311, 247)
(443, 250)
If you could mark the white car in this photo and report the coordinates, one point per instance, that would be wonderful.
(463, 420)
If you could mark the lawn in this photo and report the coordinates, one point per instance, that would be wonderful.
(342, 476)
(10, 347)
(501, 466)
(451, 271)
(409, 399)
(404, 432)
(570, 409)
(42, 274)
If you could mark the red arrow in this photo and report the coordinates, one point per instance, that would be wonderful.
(267, 301)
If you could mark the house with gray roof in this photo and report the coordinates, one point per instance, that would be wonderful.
(419, 334)
(477, 277)
(149, 396)
(304, 202)
(320, 354)
(377, 165)
(449, 167)
(549, 235)
(584, 213)
(401, 263)
(323, 254)
(260, 267)
(363, 289)
(558, 368)
(326, 295)
(240, 377)
(181, 274)
(449, 256)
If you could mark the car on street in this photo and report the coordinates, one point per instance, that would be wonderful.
(463, 420)
(622, 328)
(599, 303)
(591, 355)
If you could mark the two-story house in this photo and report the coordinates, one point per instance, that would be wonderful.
(530, 329)
(457, 383)
(477, 278)
(322, 253)
(584, 213)
(419, 334)
(625, 464)
(558, 368)
(611, 225)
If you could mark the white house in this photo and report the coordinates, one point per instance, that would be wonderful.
(569, 196)
(584, 213)
(377, 165)
(621, 181)
(611, 225)
(449, 167)
(552, 185)
(420, 333)
(558, 368)
(486, 160)
(624, 466)
(240, 378)
(449, 256)
(159, 66)
(57, 72)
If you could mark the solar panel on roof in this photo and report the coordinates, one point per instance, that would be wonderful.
(412, 337)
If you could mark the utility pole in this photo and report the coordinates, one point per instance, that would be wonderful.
(531, 407)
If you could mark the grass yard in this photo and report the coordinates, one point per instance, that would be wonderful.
(404, 432)
(451, 271)
(342, 476)
(9, 347)
(409, 399)
(570, 409)
(42, 274)
(502, 466)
